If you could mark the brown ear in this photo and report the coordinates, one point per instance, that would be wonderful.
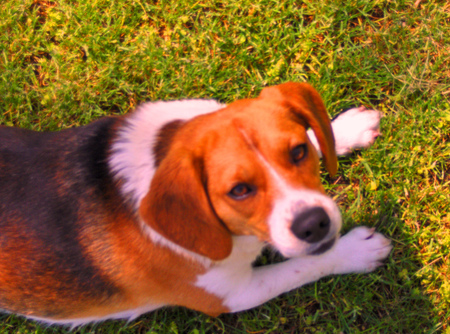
(307, 104)
(178, 208)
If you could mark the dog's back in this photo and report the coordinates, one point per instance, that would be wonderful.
(42, 242)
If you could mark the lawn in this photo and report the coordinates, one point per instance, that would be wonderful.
(66, 63)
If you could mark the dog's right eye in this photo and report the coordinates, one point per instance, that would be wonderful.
(298, 153)
(241, 191)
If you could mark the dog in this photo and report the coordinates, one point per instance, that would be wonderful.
(171, 204)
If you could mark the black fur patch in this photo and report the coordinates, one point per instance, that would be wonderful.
(53, 185)
(164, 140)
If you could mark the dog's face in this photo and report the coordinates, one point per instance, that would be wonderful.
(262, 173)
(248, 169)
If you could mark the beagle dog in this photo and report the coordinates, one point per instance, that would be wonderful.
(171, 204)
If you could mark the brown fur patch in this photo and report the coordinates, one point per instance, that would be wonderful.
(178, 208)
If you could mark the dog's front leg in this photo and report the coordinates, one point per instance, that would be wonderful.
(352, 129)
(361, 250)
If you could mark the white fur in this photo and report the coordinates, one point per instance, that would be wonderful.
(353, 129)
(73, 323)
(160, 240)
(292, 203)
(226, 278)
(131, 159)
(243, 287)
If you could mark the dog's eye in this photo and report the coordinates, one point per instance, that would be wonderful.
(241, 191)
(298, 153)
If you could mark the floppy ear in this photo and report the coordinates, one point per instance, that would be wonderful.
(306, 103)
(178, 208)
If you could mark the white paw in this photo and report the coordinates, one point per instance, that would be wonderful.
(356, 128)
(360, 250)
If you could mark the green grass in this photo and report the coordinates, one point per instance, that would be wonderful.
(66, 63)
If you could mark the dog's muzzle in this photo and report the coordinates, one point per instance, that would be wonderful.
(311, 225)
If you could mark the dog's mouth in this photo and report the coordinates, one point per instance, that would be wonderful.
(324, 247)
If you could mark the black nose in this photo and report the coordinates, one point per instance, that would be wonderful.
(311, 225)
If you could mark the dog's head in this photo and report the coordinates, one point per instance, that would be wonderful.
(248, 169)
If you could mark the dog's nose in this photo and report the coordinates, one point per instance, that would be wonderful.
(311, 225)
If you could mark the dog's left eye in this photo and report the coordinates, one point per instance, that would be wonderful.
(241, 191)
(298, 153)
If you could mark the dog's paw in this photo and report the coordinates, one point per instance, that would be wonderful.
(356, 128)
(360, 250)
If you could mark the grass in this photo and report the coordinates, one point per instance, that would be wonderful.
(65, 63)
